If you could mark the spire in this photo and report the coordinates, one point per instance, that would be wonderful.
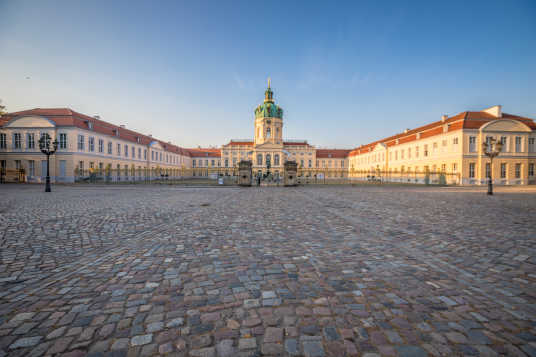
(268, 94)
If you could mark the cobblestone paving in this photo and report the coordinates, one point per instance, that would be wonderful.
(308, 271)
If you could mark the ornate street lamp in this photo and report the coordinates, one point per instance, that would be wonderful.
(491, 148)
(47, 149)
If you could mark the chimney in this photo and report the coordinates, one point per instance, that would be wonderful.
(150, 135)
(406, 131)
(496, 111)
(122, 126)
(444, 117)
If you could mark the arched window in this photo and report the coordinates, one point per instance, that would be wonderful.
(276, 159)
(259, 159)
(268, 159)
(268, 133)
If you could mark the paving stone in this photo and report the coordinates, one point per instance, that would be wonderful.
(313, 348)
(247, 343)
(292, 347)
(411, 351)
(204, 352)
(273, 334)
(26, 342)
(225, 348)
(141, 340)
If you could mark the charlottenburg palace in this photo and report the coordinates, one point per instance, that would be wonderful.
(450, 148)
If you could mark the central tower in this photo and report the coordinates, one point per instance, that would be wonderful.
(268, 120)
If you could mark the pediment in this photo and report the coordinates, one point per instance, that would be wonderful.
(30, 122)
(155, 145)
(505, 125)
(379, 147)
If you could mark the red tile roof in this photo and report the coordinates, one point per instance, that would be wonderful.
(300, 143)
(69, 117)
(248, 143)
(332, 153)
(465, 120)
(203, 152)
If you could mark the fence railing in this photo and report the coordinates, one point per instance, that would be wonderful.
(229, 176)
(409, 177)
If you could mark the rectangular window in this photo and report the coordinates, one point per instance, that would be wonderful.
(488, 170)
(531, 170)
(455, 141)
(234, 161)
(193, 163)
(402, 154)
(472, 144)
(518, 143)
(3, 141)
(81, 142)
(118, 149)
(31, 168)
(152, 155)
(532, 145)
(206, 163)
(503, 170)
(416, 151)
(454, 167)
(213, 163)
(30, 137)
(409, 153)
(17, 141)
(425, 150)
(145, 154)
(81, 165)
(109, 148)
(472, 170)
(503, 141)
(91, 144)
(139, 153)
(63, 140)
(126, 150)
(133, 152)
(226, 162)
(101, 145)
(342, 163)
(518, 170)
(160, 156)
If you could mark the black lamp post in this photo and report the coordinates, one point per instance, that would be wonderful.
(48, 149)
(491, 148)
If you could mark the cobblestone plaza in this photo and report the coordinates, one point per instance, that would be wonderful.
(305, 271)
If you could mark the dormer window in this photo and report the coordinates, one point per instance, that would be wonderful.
(89, 124)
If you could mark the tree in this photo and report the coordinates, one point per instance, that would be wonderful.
(2, 108)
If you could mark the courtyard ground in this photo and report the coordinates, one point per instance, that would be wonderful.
(227, 271)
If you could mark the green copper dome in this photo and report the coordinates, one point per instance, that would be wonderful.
(268, 108)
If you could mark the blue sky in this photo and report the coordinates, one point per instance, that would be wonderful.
(345, 73)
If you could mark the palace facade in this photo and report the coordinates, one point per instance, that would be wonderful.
(450, 149)
(452, 146)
